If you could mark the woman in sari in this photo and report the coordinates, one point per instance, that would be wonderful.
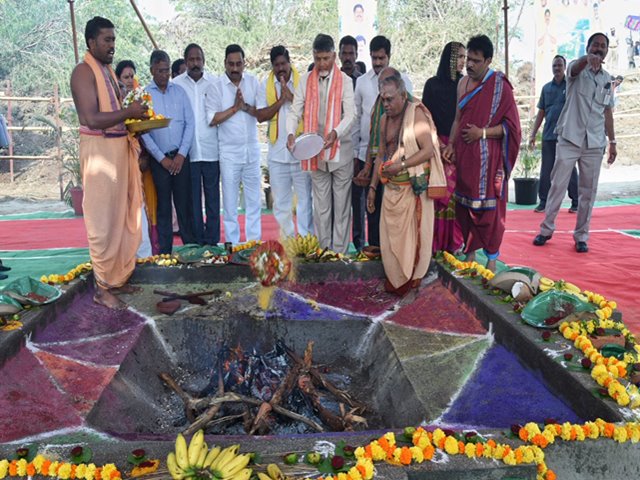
(126, 73)
(440, 97)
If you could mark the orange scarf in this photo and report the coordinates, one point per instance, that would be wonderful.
(312, 109)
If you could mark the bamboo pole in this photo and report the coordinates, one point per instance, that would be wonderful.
(144, 24)
(9, 122)
(505, 8)
(73, 31)
(58, 120)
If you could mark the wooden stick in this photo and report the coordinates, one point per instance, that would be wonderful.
(320, 380)
(235, 397)
(188, 400)
(212, 411)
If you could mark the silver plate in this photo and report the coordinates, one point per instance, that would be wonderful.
(307, 146)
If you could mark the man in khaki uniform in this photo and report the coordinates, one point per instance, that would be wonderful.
(586, 117)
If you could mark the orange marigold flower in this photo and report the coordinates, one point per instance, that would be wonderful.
(367, 451)
(573, 434)
(461, 446)
(479, 449)
(13, 468)
(519, 455)
(361, 468)
(384, 443)
(405, 456)
(523, 434)
(31, 470)
(45, 468)
(507, 449)
(429, 451)
(622, 372)
(492, 443)
(441, 443)
(609, 428)
(540, 440)
(558, 428)
(550, 475)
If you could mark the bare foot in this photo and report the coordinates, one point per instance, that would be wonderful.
(471, 257)
(125, 289)
(491, 265)
(107, 299)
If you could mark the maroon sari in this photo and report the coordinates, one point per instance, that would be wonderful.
(483, 167)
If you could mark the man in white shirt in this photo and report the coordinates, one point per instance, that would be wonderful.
(285, 172)
(205, 168)
(231, 106)
(365, 96)
(329, 92)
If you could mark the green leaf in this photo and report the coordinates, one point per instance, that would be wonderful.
(85, 457)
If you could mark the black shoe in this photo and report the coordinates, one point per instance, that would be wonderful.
(3, 276)
(541, 240)
(581, 247)
(3, 268)
(539, 209)
(573, 209)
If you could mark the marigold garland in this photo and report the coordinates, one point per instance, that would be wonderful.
(41, 465)
(54, 279)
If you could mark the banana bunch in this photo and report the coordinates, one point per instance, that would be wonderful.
(301, 246)
(274, 473)
(562, 285)
(197, 462)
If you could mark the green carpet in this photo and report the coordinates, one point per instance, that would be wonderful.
(36, 263)
(634, 233)
(614, 202)
(38, 215)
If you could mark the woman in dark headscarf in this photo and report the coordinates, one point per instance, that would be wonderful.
(440, 97)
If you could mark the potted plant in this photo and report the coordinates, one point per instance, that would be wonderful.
(526, 176)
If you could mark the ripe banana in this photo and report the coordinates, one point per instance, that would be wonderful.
(243, 474)
(235, 465)
(176, 472)
(571, 288)
(263, 476)
(195, 447)
(547, 282)
(203, 455)
(211, 456)
(182, 456)
(274, 472)
(225, 457)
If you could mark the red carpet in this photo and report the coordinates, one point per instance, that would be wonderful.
(611, 267)
(70, 233)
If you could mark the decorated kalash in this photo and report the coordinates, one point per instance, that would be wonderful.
(77, 372)
(155, 120)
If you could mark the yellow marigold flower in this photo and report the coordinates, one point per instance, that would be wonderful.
(53, 468)
(108, 469)
(451, 445)
(487, 452)
(598, 371)
(549, 435)
(635, 433)
(470, 450)
(22, 467)
(81, 470)
(620, 434)
(417, 454)
(342, 476)
(421, 438)
(64, 472)
(613, 369)
(354, 474)
(390, 436)
(359, 452)
(377, 451)
(580, 436)
(367, 465)
(623, 399)
(566, 431)
(4, 468)
(528, 455)
(510, 458)
(438, 435)
(532, 429)
(498, 452)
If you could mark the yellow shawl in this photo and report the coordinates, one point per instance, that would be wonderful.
(272, 97)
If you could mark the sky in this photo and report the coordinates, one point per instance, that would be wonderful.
(161, 10)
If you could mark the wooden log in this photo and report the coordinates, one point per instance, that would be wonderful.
(320, 381)
(212, 411)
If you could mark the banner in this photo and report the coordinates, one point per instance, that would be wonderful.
(564, 26)
(359, 18)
